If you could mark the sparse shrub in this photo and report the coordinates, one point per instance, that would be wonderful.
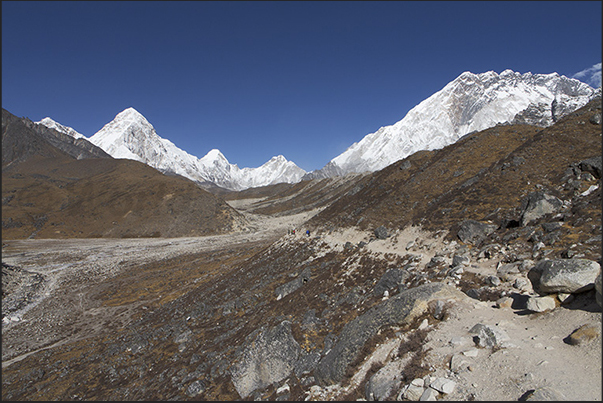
(368, 348)
(414, 345)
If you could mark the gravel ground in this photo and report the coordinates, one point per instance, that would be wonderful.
(34, 318)
(539, 357)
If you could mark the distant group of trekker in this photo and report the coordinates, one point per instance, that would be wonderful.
(292, 232)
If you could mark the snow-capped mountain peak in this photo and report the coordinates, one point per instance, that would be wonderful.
(214, 155)
(130, 135)
(471, 102)
(277, 159)
(48, 122)
(276, 170)
(130, 114)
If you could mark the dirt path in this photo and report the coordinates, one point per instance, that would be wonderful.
(539, 357)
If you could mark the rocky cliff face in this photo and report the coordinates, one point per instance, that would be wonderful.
(22, 138)
(78, 147)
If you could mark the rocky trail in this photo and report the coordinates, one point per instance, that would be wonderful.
(529, 355)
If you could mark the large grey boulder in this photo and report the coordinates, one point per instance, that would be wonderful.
(490, 336)
(505, 270)
(540, 304)
(592, 165)
(397, 310)
(412, 393)
(270, 358)
(538, 204)
(443, 385)
(381, 232)
(564, 275)
(195, 388)
(430, 395)
(460, 260)
(544, 394)
(584, 334)
(293, 285)
(474, 232)
(385, 382)
(392, 279)
(306, 363)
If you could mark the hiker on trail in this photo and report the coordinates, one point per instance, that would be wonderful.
(308, 232)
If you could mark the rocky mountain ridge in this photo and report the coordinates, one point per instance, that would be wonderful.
(469, 103)
(57, 186)
(51, 124)
(34, 139)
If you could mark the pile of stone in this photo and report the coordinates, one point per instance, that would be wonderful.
(428, 388)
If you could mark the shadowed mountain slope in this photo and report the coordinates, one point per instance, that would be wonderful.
(22, 138)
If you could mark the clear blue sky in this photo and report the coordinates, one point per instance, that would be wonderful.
(258, 79)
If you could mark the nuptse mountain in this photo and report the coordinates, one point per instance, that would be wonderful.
(469, 103)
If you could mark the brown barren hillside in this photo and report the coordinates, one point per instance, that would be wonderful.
(47, 193)
(287, 199)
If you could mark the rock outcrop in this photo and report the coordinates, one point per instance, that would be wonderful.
(269, 358)
(564, 275)
(397, 310)
(538, 204)
(474, 232)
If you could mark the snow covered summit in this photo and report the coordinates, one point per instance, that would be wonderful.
(130, 135)
(48, 122)
(471, 102)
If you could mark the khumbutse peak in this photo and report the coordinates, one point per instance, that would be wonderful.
(471, 102)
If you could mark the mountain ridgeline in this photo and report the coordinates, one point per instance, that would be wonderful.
(130, 135)
(469, 103)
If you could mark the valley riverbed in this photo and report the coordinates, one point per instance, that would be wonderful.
(70, 267)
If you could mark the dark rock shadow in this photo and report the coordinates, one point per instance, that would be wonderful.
(584, 301)
(526, 395)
